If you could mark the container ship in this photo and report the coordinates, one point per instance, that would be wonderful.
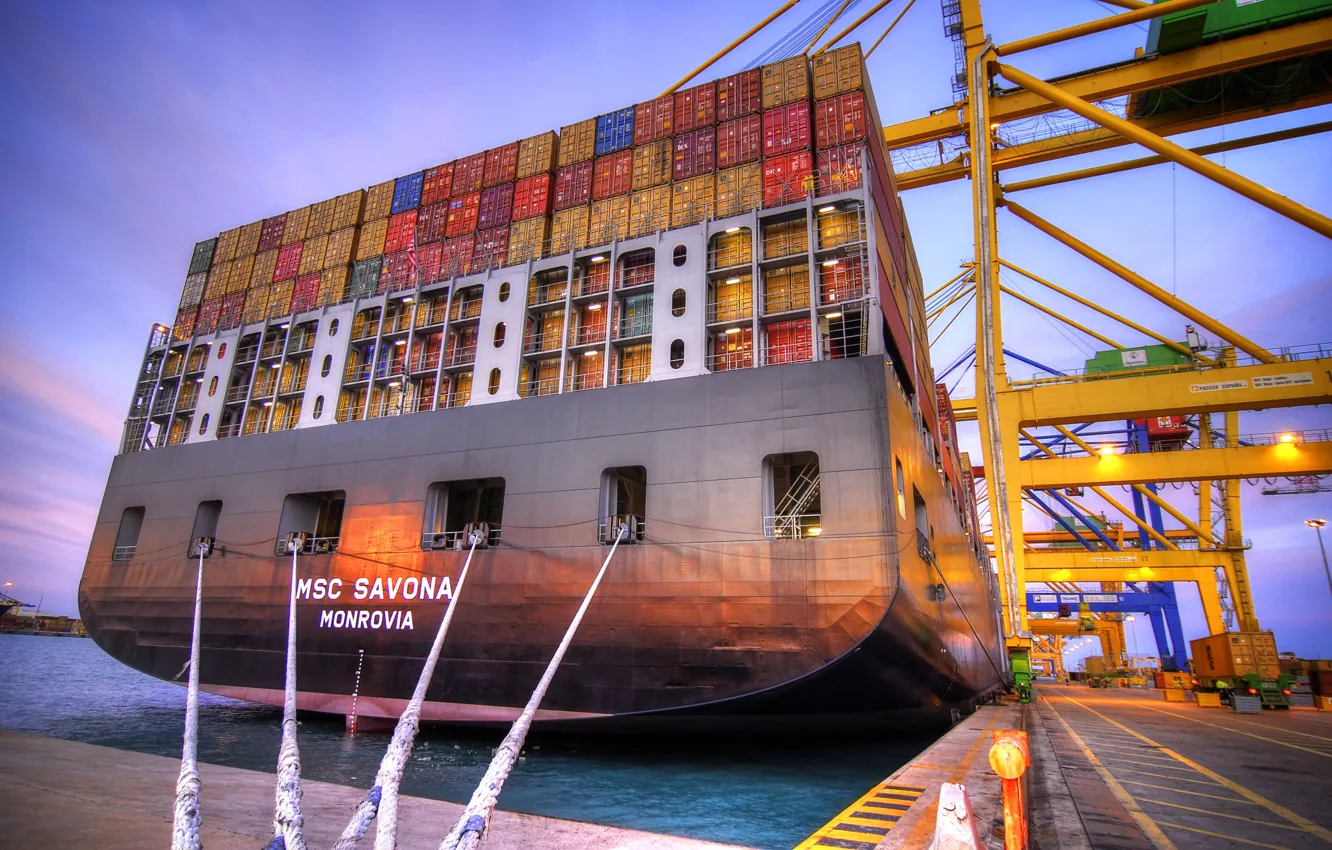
(699, 318)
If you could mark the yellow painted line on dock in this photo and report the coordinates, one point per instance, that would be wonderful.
(1172, 778)
(1281, 811)
(926, 823)
(1213, 814)
(1223, 836)
(1145, 823)
(1182, 791)
(1231, 729)
(866, 821)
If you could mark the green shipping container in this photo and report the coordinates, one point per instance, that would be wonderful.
(1228, 19)
(1132, 359)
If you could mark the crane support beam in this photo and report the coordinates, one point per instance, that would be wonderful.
(1042, 538)
(1136, 75)
(1146, 562)
(1167, 7)
(964, 409)
(1283, 460)
(1061, 401)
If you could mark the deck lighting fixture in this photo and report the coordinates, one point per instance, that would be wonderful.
(392, 384)
(1287, 437)
(815, 531)
(828, 209)
(598, 259)
(732, 331)
(268, 404)
(732, 230)
(827, 264)
(1105, 451)
(732, 280)
(198, 380)
(407, 300)
(284, 326)
(834, 315)
(592, 353)
(400, 342)
(594, 306)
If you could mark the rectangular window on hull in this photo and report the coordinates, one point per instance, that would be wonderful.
(453, 509)
(623, 503)
(205, 524)
(924, 531)
(318, 516)
(127, 535)
(792, 496)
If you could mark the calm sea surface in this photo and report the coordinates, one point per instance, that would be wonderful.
(770, 794)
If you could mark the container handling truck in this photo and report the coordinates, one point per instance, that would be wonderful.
(1240, 662)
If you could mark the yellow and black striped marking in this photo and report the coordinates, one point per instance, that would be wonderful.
(867, 820)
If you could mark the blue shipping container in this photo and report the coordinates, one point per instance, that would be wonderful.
(407, 192)
(615, 131)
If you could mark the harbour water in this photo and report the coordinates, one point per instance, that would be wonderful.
(767, 794)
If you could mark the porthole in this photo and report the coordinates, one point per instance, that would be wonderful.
(203, 423)
(221, 351)
(493, 386)
(212, 387)
(504, 291)
(326, 367)
(499, 334)
(680, 254)
(678, 303)
(677, 354)
(319, 407)
(333, 328)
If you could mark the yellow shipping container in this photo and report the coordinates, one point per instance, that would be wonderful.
(247, 242)
(297, 222)
(238, 279)
(739, 189)
(217, 280)
(609, 220)
(348, 209)
(691, 200)
(526, 239)
(649, 210)
(1231, 654)
(312, 255)
(785, 82)
(321, 218)
(341, 248)
(371, 241)
(256, 304)
(578, 142)
(378, 201)
(652, 164)
(732, 249)
(279, 300)
(536, 155)
(225, 251)
(568, 230)
(1094, 664)
(262, 272)
(332, 283)
(837, 72)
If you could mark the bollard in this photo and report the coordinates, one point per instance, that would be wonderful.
(954, 825)
(1009, 757)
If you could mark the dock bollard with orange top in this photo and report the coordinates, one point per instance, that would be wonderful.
(1009, 757)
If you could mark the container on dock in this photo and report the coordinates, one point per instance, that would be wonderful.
(608, 221)
(270, 232)
(238, 280)
(615, 131)
(695, 153)
(739, 189)
(573, 185)
(401, 232)
(1230, 655)
(495, 208)
(568, 229)
(332, 284)
(193, 290)
(785, 82)
(349, 210)
(578, 143)
(652, 164)
(247, 241)
(612, 175)
(527, 237)
(739, 95)
(436, 183)
(463, 213)
(654, 119)
(501, 165)
(364, 280)
(430, 223)
(341, 250)
(536, 155)
(312, 255)
(201, 259)
(650, 210)
(787, 178)
(840, 120)
(279, 298)
(305, 294)
(1176, 680)
(786, 129)
(456, 255)
(739, 140)
(696, 107)
(256, 303)
(371, 241)
(468, 173)
(691, 200)
(492, 248)
(1094, 664)
(531, 197)
(298, 222)
(837, 72)
(1320, 682)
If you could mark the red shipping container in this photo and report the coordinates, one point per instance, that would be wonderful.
(696, 107)
(288, 261)
(840, 169)
(573, 186)
(401, 231)
(270, 233)
(467, 174)
(789, 342)
(613, 175)
(430, 222)
(209, 310)
(492, 248)
(436, 184)
(531, 197)
(183, 328)
(654, 119)
(739, 94)
(456, 257)
(462, 213)
(501, 165)
(305, 294)
(233, 308)
(840, 120)
(695, 153)
(395, 274)
(496, 207)
(739, 141)
(427, 260)
(787, 178)
(786, 129)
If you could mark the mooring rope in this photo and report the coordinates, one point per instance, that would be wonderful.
(382, 800)
(287, 819)
(185, 824)
(475, 820)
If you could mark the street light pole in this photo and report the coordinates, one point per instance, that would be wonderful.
(1317, 526)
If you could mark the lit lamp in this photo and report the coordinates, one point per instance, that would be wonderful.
(1317, 526)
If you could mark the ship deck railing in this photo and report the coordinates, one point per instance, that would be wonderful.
(313, 546)
(792, 526)
(455, 540)
(606, 525)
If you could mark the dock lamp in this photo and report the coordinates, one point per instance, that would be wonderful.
(1317, 526)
